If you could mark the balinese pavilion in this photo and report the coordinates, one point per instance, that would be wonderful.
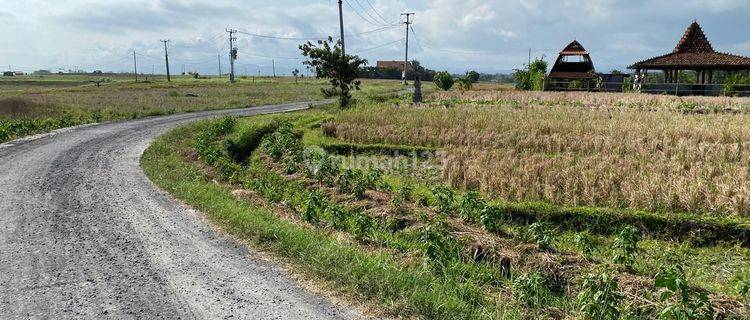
(693, 53)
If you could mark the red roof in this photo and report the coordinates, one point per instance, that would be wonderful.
(695, 51)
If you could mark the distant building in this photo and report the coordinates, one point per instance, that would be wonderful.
(397, 65)
(8, 74)
(573, 70)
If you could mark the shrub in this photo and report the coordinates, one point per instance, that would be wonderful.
(532, 76)
(470, 206)
(742, 284)
(402, 196)
(736, 84)
(338, 216)
(464, 83)
(445, 199)
(443, 80)
(492, 218)
(363, 226)
(541, 234)
(314, 207)
(686, 305)
(626, 246)
(585, 244)
(437, 243)
(600, 298)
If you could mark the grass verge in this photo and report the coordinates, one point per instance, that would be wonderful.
(370, 276)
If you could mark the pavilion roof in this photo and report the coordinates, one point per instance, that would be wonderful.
(694, 51)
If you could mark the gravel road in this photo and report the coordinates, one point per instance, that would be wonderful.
(84, 234)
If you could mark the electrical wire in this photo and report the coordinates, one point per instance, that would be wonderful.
(257, 35)
(381, 46)
(380, 15)
(374, 20)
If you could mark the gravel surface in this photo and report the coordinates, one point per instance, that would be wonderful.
(84, 234)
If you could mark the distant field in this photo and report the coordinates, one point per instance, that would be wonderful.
(32, 104)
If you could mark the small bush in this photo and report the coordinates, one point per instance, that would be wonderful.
(626, 246)
(585, 243)
(600, 298)
(443, 80)
(363, 226)
(541, 234)
(470, 206)
(445, 199)
(688, 304)
(492, 218)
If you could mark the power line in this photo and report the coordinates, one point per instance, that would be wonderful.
(380, 46)
(379, 14)
(315, 38)
(372, 22)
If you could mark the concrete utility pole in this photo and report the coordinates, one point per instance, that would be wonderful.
(218, 56)
(341, 25)
(273, 63)
(135, 66)
(166, 59)
(232, 54)
(406, 57)
(529, 57)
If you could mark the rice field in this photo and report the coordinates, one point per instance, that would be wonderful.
(655, 153)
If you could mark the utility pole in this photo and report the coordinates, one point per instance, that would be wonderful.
(273, 63)
(406, 57)
(341, 25)
(135, 66)
(232, 53)
(218, 56)
(166, 59)
(529, 57)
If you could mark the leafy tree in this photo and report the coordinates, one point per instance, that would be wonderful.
(532, 76)
(444, 80)
(330, 62)
(473, 76)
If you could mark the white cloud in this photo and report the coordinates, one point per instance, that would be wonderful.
(449, 34)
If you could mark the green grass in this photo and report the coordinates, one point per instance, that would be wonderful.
(364, 275)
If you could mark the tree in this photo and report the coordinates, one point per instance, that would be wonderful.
(532, 76)
(295, 73)
(465, 83)
(331, 63)
(473, 76)
(443, 80)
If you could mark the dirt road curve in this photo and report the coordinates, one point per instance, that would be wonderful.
(84, 234)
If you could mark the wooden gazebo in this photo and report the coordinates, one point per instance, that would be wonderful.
(573, 65)
(693, 52)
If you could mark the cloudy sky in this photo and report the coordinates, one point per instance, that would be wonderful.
(457, 35)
